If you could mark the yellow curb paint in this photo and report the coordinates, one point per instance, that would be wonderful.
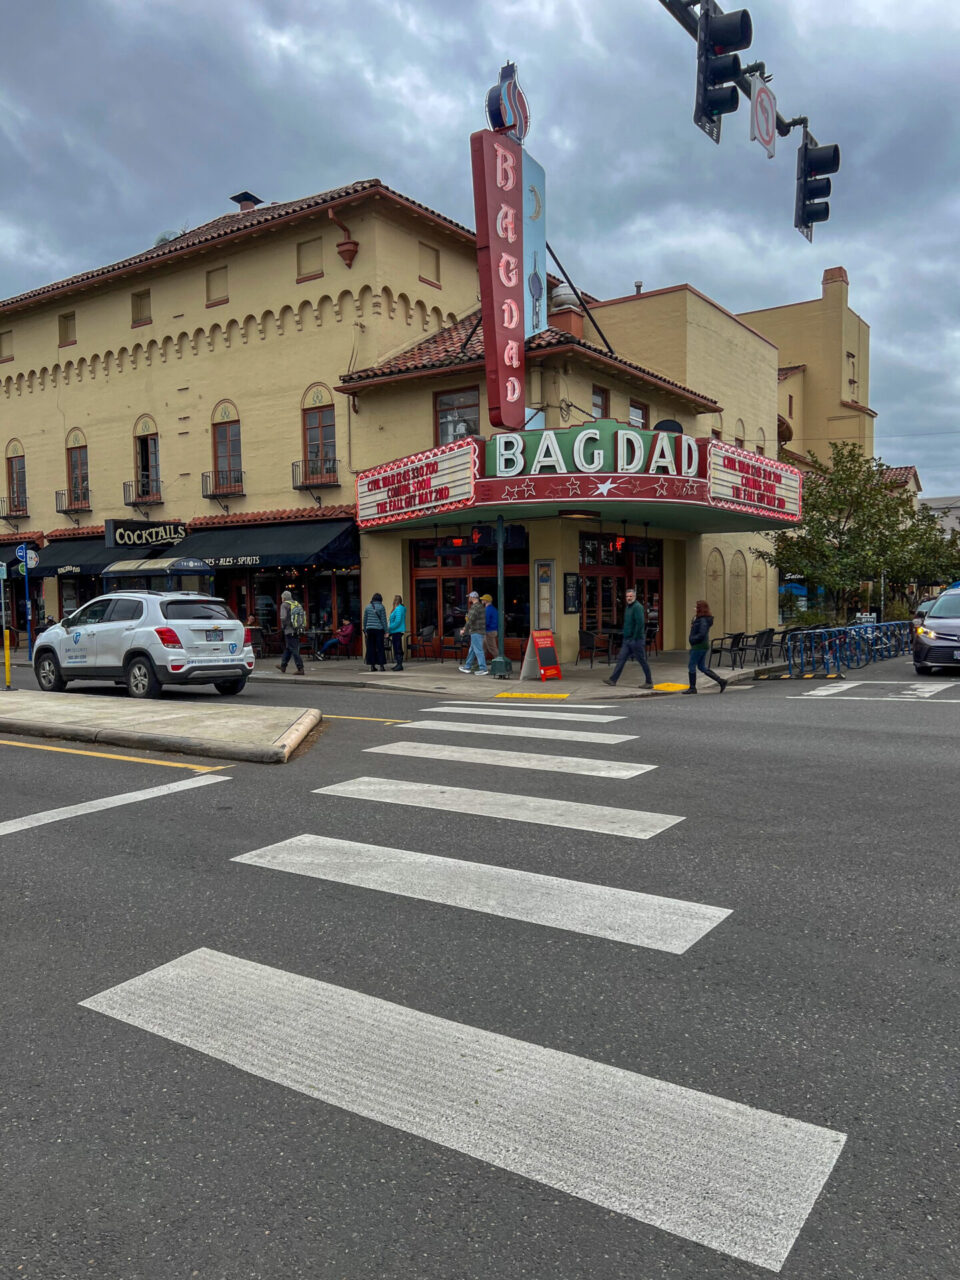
(532, 695)
(671, 688)
(374, 719)
(103, 755)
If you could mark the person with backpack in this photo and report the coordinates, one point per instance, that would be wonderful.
(375, 627)
(293, 623)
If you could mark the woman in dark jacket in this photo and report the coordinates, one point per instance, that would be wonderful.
(375, 625)
(699, 645)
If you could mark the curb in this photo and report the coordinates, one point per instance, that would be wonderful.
(278, 752)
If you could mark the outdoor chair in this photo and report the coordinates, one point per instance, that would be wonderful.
(652, 640)
(593, 645)
(421, 644)
(759, 647)
(729, 645)
(256, 641)
(454, 646)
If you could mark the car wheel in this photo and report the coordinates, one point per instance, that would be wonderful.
(49, 676)
(922, 669)
(142, 680)
(229, 687)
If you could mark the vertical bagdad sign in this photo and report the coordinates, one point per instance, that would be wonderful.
(508, 193)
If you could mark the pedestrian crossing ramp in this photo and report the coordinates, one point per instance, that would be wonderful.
(735, 1178)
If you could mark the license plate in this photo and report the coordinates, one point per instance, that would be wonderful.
(956, 655)
(214, 635)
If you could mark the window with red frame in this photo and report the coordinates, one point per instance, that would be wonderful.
(639, 415)
(320, 442)
(227, 461)
(17, 484)
(456, 414)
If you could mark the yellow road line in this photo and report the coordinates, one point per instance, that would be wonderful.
(374, 719)
(103, 755)
(532, 695)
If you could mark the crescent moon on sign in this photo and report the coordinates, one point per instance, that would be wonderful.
(538, 203)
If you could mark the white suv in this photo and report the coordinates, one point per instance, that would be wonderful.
(146, 639)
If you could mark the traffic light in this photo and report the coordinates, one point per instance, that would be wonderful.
(813, 187)
(719, 36)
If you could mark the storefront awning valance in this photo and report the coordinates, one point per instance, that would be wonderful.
(68, 556)
(160, 568)
(328, 543)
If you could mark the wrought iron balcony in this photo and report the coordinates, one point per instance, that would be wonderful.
(142, 493)
(222, 484)
(14, 508)
(315, 473)
(76, 498)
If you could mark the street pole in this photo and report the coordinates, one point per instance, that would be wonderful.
(26, 593)
(883, 574)
(500, 666)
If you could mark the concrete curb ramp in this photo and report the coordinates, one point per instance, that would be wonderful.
(261, 735)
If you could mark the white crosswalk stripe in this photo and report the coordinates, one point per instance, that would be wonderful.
(518, 731)
(728, 1176)
(640, 919)
(523, 713)
(459, 754)
(633, 824)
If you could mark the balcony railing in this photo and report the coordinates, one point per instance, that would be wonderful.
(15, 508)
(140, 493)
(76, 498)
(315, 473)
(222, 484)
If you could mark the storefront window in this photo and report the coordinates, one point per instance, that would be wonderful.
(266, 586)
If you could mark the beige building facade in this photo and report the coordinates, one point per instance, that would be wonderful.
(215, 398)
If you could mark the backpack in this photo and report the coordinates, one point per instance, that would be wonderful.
(298, 617)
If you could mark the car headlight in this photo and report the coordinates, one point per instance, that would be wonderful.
(925, 631)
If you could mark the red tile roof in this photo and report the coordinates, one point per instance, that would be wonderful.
(788, 370)
(449, 349)
(230, 226)
(897, 477)
(33, 536)
(346, 511)
(77, 531)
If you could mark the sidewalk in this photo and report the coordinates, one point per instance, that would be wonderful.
(263, 735)
(669, 672)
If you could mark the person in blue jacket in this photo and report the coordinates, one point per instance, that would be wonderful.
(396, 626)
(699, 644)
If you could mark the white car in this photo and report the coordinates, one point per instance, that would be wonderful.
(144, 640)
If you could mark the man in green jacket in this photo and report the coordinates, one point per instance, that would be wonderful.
(634, 641)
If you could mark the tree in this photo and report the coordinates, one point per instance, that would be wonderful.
(855, 528)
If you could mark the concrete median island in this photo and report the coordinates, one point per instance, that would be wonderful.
(261, 735)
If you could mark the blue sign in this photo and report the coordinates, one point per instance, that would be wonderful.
(22, 551)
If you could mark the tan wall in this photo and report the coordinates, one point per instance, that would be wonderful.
(262, 349)
(819, 334)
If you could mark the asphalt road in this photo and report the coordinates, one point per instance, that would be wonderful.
(823, 822)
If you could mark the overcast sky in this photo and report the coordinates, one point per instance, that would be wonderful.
(120, 119)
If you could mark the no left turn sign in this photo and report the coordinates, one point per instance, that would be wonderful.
(763, 115)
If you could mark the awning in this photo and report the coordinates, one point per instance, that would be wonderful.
(72, 556)
(331, 543)
(157, 568)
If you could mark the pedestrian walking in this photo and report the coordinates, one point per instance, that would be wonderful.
(699, 644)
(633, 646)
(293, 620)
(396, 626)
(375, 626)
(475, 628)
(491, 622)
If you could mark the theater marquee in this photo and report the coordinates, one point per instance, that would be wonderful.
(605, 468)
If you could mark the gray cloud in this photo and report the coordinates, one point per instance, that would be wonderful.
(120, 119)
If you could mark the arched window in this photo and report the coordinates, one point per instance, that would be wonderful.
(146, 460)
(318, 421)
(78, 472)
(740, 434)
(227, 474)
(16, 480)
(761, 442)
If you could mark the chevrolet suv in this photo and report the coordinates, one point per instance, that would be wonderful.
(144, 640)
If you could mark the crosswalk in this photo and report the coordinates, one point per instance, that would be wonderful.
(735, 1178)
(924, 691)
